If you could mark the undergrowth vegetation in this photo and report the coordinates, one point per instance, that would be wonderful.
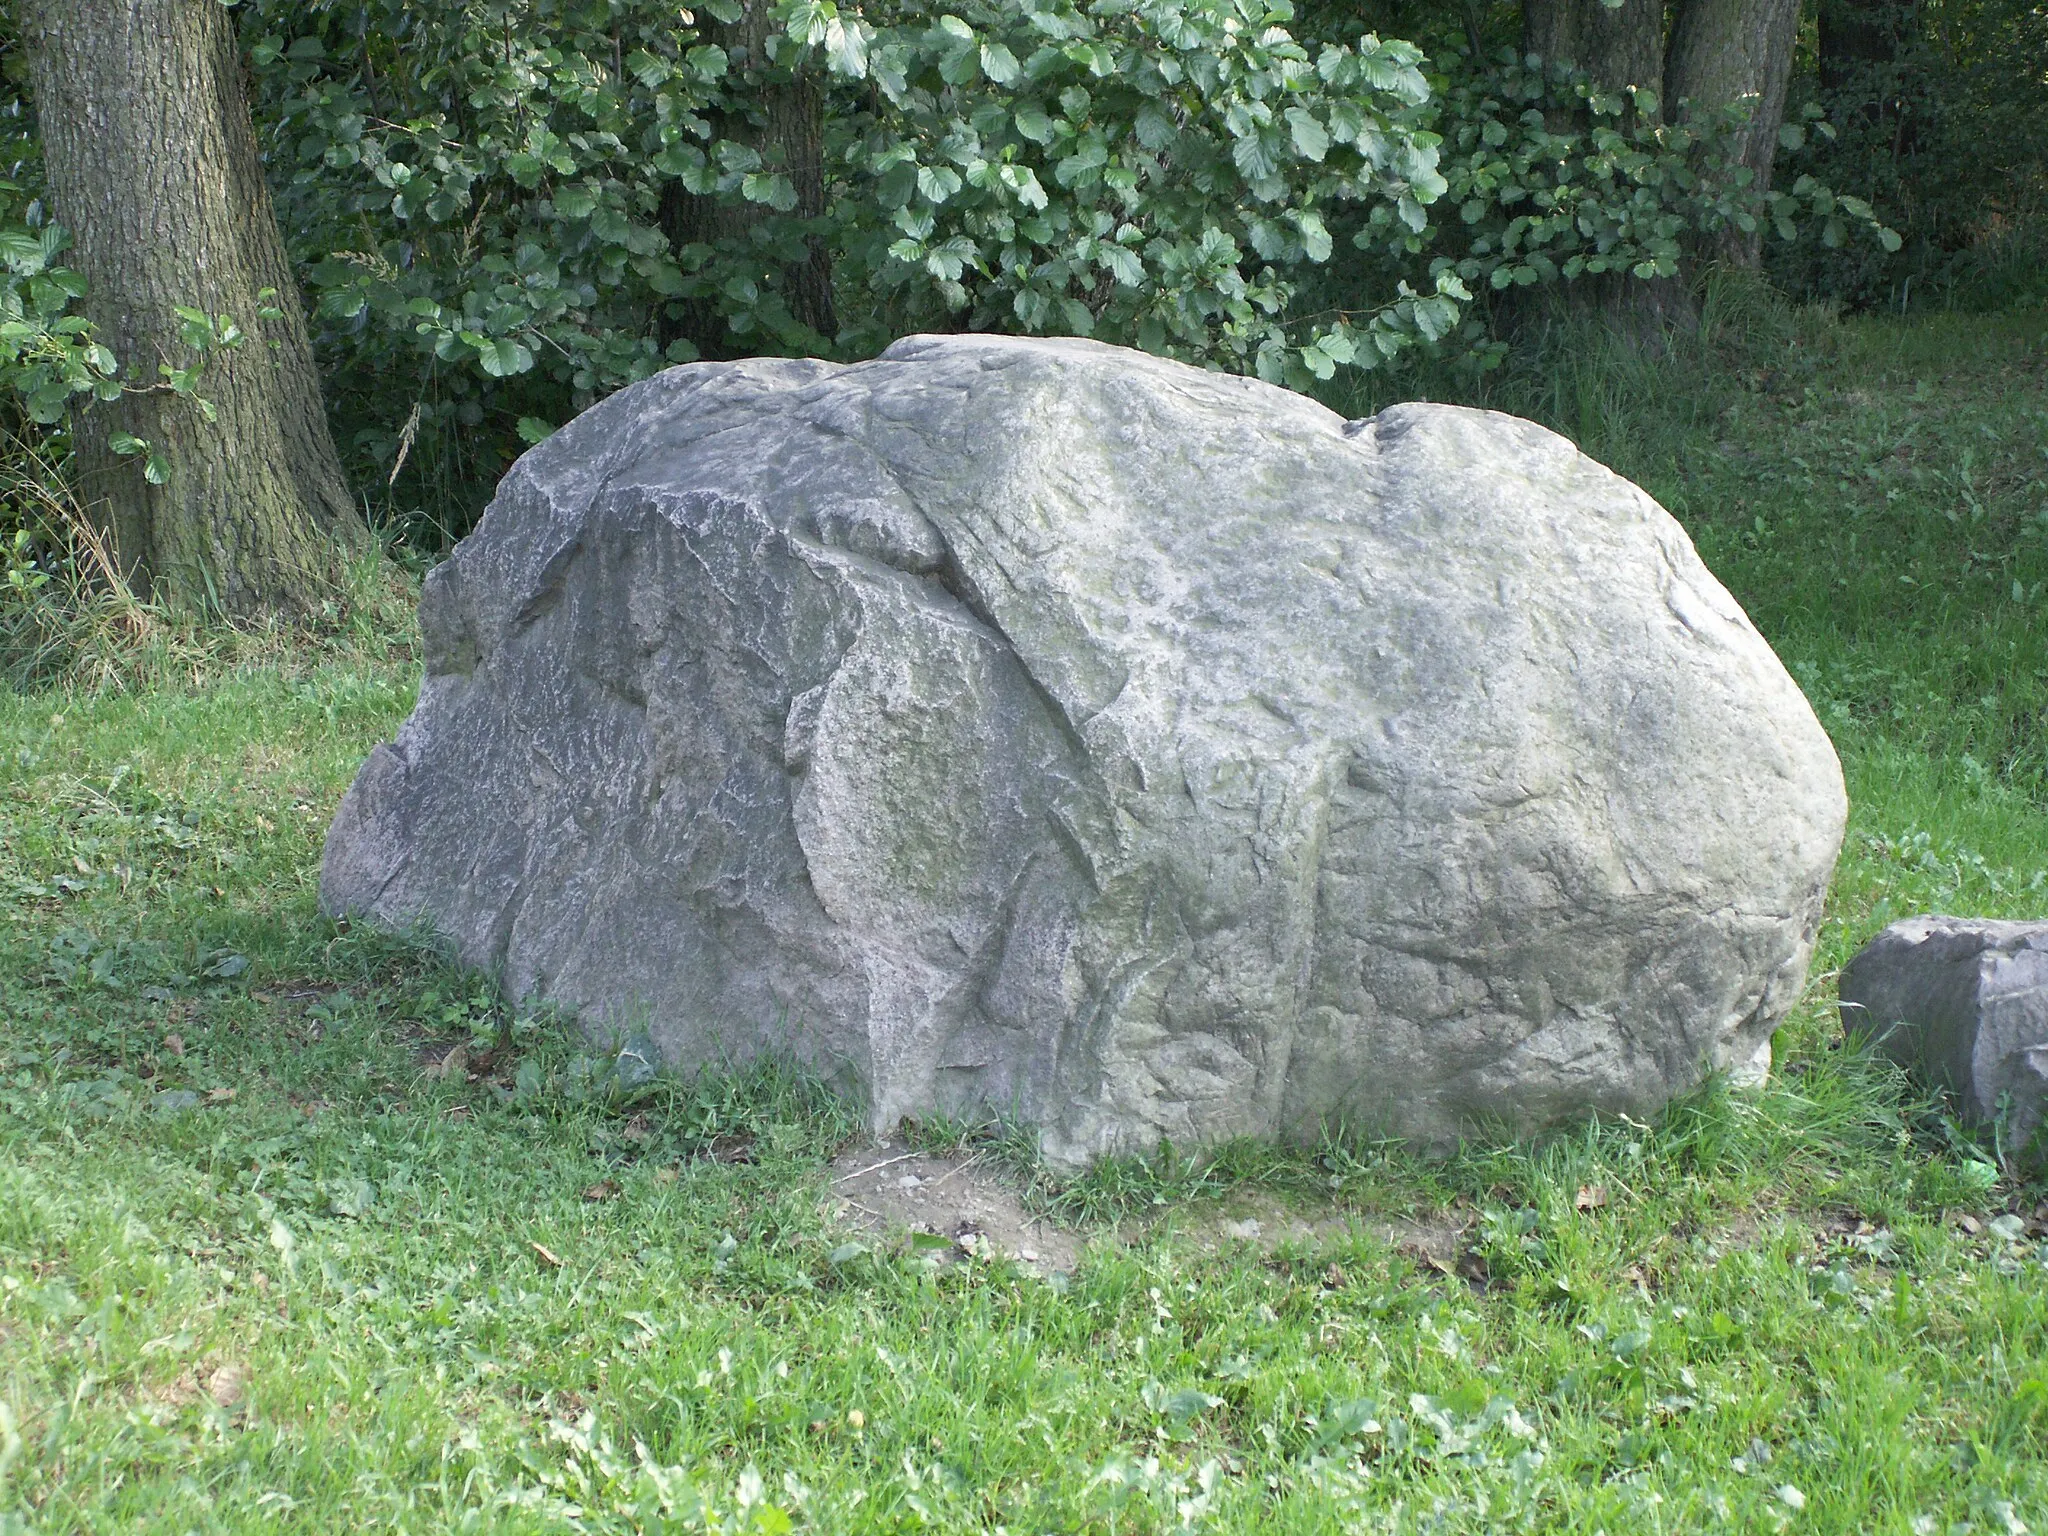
(302, 1229)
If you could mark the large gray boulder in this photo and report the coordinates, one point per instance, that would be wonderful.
(1040, 729)
(1962, 1002)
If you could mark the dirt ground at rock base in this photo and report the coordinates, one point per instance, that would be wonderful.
(894, 1194)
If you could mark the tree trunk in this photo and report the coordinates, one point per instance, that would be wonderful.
(1619, 47)
(1728, 51)
(787, 127)
(153, 166)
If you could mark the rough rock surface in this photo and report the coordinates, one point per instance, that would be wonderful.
(1962, 1002)
(1042, 729)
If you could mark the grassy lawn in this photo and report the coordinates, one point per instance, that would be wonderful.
(262, 1266)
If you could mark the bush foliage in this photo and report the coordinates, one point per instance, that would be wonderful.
(503, 212)
(1940, 109)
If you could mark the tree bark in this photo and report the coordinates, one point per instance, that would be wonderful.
(153, 167)
(1619, 47)
(787, 126)
(1728, 51)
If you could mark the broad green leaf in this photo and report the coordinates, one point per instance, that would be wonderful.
(999, 64)
(1311, 140)
(937, 182)
(1155, 128)
(775, 189)
(647, 68)
(846, 47)
(1315, 237)
(1253, 157)
(1030, 121)
(501, 357)
(1023, 181)
(1121, 264)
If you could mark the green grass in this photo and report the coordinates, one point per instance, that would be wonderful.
(260, 1268)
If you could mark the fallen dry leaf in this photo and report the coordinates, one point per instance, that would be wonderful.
(666, 1175)
(228, 1385)
(1590, 1197)
(637, 1129)
(603, 1189)
(737, 1147)
(175, 1044)
(547, 1254)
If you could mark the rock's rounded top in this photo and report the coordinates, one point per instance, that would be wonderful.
(1061, 731)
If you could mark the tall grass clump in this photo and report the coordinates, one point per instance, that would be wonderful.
(72, 621)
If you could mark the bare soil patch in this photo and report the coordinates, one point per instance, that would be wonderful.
(1436, 1239)
(897, 1195)
(892, 1193)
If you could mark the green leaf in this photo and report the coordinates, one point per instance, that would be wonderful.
(1311, 140)
(1023, 181)
(1121, 264)
(1093, 57)
(1435, 317)
(937, 182)
(999, 64)
(1253, 157)
(775, 189)
(846, 48)
(1315, 236)
(647, 68)
(533, 430)
(1155, 128)
(805, 20)
(1031, 121)
(501, 357)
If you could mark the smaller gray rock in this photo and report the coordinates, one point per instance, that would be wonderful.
(1963, 1002)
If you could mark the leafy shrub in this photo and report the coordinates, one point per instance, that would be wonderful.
(489, 202)
(1941, 116)
(1556, 182)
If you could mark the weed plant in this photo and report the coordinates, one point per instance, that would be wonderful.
(69, 619)
(302, 1229)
